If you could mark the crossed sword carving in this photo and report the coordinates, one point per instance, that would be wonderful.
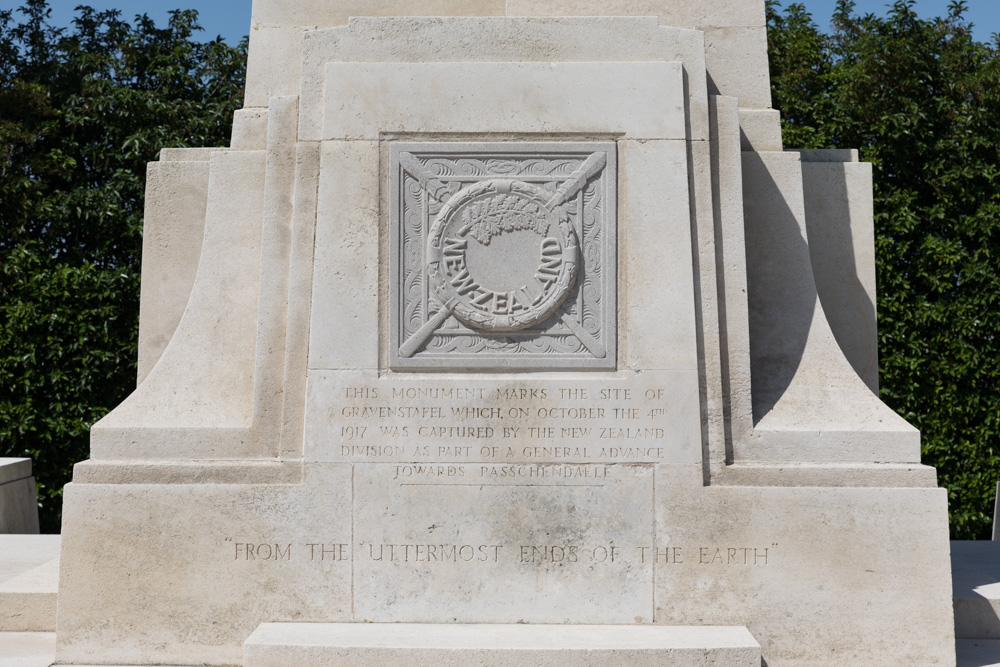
(442, 193)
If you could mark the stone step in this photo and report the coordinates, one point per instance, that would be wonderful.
(28, 601)
(975, 581)
(392, 645)
(29, 581)
(27, 649)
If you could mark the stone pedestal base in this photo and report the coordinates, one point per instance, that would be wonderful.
(389, 645)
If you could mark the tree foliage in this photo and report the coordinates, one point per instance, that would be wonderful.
(82, 111)
(921, 100)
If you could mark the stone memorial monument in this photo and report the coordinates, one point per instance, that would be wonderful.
(506, 333)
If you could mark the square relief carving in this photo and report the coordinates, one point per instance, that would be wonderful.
(503, 256)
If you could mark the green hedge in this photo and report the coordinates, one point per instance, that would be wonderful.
(82, 111)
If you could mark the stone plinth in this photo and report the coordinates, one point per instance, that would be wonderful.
(503, 317)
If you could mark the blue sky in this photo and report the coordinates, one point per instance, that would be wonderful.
(231, 18)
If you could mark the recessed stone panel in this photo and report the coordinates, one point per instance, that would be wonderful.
(483, 543)
(503, 256)
(624, 417)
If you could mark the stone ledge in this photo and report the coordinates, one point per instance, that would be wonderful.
(975, 570)
(855, 475)
(27, 649)
(388, 645)
(28, 601)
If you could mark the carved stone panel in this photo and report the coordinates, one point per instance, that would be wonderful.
(503, 255)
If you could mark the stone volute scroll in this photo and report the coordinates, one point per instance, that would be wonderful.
(503, 256)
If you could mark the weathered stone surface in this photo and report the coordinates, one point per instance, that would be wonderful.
(790, 560)
(574, 98)
(337, 426)
(173, 227)
(183, 573)
(737, 57)
(649, 417)
(503, 256)
(515, 40)
(421, 557)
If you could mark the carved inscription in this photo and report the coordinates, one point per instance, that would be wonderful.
(286, 552)
(528, 256)
(568, 554)
(522, 422)
(503, 256)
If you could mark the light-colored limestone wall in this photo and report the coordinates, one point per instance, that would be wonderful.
(234, 443)
(483, 40)
(808, 402)
(277, 27)
(173, 227)
(735, 34)
(729, 246)
(211, 354)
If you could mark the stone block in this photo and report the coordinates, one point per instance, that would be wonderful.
(659, 328)
(420, 557)
(760, 130)
(503, 98)
(274, 63)
(812, 567)
(173, 228)
(491, 40)
(21, 553)
(278, 27)
(327, 14)
(12, 470)
(250, 129)
(216, 334)
(797, 364)
(18, 500)
(669, 12)
(274, 645)
(29, 572)
(735, 35)
(183, 573)
(346, 258)
(736, 57)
